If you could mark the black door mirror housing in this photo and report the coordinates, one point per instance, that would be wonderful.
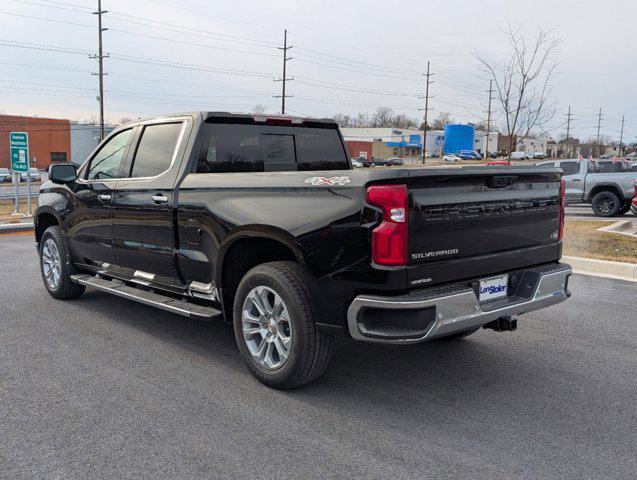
(63, 173)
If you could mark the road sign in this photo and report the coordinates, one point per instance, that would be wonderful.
(19, 144)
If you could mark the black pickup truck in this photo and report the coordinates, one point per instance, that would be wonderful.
(262, 221)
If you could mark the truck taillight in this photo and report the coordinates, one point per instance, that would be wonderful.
(560, 233)
(389, 239)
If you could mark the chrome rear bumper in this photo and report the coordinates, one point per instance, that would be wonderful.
(437, 312)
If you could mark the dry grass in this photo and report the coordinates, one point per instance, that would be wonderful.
(6, 208)
(581, 239)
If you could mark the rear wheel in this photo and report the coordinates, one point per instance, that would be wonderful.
(56, 266)
(606, 204)
(275, 326)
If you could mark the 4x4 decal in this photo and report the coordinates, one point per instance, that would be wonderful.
(315, 181)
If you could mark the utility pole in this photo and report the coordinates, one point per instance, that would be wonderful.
(100, 60)
(621, 135)
(486, 145)
(568, 131)
(283, 79)
(599, 126)
(424, 136)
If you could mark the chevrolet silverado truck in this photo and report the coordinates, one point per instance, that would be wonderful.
(608, 186)
(261, 221)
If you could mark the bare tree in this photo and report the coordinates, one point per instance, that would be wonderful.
(441, 120)
(383, 117)
(344, 120)
(124, 120)
(259, 109)
(523, 84)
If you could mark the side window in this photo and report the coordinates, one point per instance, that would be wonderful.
(106, 163)
(156, 149)
(570, 168)
(230, 148)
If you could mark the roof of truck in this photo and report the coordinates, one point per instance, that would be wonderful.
(247, 116)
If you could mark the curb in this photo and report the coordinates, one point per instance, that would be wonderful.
(16, 227)
(603, 268)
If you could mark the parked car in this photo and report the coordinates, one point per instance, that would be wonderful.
(518, 155)
(5, 175)
(36, 176)
(356, 163)
(469, 155)
(284, 241)
(608, 186)
(375, 162)
(539, 155)
(394, 162)
(451, 158)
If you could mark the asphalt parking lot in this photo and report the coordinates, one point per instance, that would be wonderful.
(101, 387)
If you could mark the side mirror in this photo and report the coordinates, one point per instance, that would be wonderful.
(63, 173)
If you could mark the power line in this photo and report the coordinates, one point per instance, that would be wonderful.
(490, 92)
(621, 136)
(424, 136)
(284, 78)
(599, 125)
(100, 61)
(568, 131)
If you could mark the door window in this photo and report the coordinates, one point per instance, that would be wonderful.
(570, 168)
(156, 149)
(107, 162)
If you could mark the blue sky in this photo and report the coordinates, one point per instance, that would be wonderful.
(349, 56)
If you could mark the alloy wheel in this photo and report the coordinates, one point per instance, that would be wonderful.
(51, 263)
(267, 329)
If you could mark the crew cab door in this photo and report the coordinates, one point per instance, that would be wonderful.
(90, 224)
(143, 203)
(574, 179)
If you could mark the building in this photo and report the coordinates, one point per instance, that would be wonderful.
(533, 145)
(49, 139)
(384, 142)
(480, 142)
(84, 138)
(504, 142)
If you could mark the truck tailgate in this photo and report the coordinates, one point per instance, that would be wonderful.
(476, 221)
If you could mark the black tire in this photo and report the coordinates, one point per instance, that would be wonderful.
(310, 349)
(65, 289)
(606, 204)
(464, 333)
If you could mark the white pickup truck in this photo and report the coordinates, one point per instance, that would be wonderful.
(608, 186)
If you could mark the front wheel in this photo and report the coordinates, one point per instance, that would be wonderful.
(56, 267)
(275, 326)
(606, 204)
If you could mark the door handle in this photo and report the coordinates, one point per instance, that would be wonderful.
(103, 197)
(159, 198)
(576, 180)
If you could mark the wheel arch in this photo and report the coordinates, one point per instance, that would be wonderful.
(45, 218)
(245, 250)
(605, 187)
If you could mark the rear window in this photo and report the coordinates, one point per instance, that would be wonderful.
(156, 149)
(265, 148)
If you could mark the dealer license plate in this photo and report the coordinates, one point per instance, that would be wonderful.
(493, 288)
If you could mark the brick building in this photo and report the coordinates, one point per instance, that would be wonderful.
(49, 139)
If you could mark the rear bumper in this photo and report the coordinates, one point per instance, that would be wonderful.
(437, 312)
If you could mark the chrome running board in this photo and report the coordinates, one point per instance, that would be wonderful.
(164, 302)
